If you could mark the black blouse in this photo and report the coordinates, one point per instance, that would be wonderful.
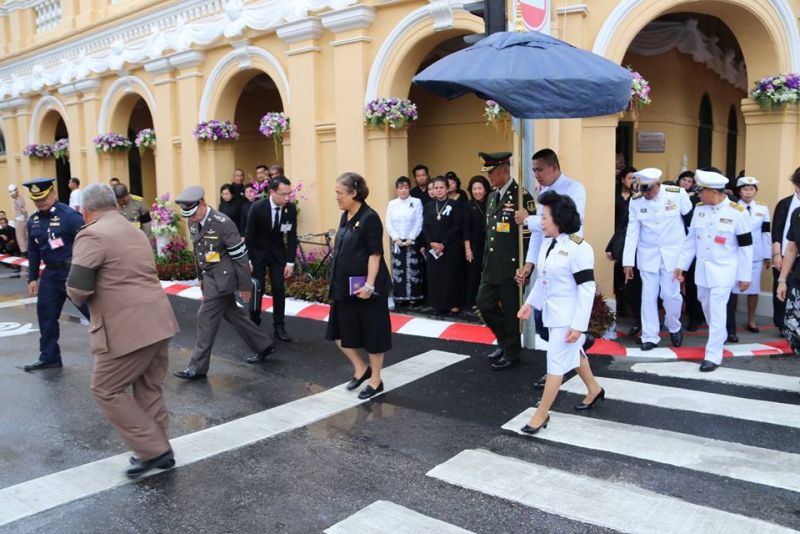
(233, 210)
(357, 240)
(794, 235)
(621, 211)
(475, 226)
(443, 222)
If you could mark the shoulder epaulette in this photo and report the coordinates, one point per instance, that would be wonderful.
(86, 225)
(635, 196)
(673, 189)
(699, 204)
(760, 203)
(737, 206)
(137, 197)
(575, 238)
(218, 216)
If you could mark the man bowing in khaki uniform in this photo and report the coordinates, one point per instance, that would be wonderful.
(131, 325)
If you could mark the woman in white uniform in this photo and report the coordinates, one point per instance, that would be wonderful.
(564, 291)
(747, 187)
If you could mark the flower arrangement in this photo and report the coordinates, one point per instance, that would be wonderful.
(601, 318)
(497, 116)
(110, 141)
(390, 113)
(145, 139)
(273, 124)
(640, 92)
(38, 151)
(164, 214)
(176, 261)
(215, 130)
(775, 91)
(61, 149)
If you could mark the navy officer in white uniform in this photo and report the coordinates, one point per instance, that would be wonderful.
(720, 238)
(653, 243)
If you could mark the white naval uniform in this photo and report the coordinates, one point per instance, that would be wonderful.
(563, 186)
(564, 291)
(654, 238)
(720, 238)
(758, 216)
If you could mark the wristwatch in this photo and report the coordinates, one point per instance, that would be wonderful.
(370, 289)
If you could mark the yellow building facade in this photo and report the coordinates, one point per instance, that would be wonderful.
(80, 68)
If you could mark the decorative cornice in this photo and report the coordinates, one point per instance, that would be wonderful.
(308, 29)
(181, 60)
(15, 103)
(302, 50)
(350, 18)
(83, 86)
(581, 9)
(351, 40)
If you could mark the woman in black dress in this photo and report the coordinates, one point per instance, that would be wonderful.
(475, 235)
(359, 286)
(454, 191)
(443, 228)
(231, 205)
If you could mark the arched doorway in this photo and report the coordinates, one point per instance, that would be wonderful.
(54, 128)
(705, 132)
(141, 162)
(258, 96)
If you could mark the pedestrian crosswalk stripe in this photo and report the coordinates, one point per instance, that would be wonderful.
(776, 413)
(383, 516)
(34, 496)
(599, 502)
(723, 375)
(743, 462)
(17, 302)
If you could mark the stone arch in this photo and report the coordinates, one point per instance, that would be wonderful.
(44, 119)
(407, 45)
(779, 51)
(118, 102)
(231, 74)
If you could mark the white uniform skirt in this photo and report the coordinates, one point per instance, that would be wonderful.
(755, 280)
(563, 357)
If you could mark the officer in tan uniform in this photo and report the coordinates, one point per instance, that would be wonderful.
(112, 263)
(223, 268)
(133, 208)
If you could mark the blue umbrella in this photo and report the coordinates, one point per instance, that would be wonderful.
(532, 76)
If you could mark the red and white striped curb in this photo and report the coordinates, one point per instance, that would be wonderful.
(474, 333)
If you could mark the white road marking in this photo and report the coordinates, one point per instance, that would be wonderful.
(611, 505)
(658, 353)
(383, 516)
(776, 413)
(17, 302)
(35, 496)
(424, 327)
(723, 375)
(743, 462)
(16, 329)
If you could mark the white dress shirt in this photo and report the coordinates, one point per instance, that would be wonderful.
(404, 218)
(75, 201)
(758, 217)
(563, 186)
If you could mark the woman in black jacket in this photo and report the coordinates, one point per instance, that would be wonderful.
(443, 228)
(231, 205)
(475, 235)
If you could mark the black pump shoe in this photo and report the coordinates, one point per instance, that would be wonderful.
(163, 461)
(584, 406)
(530, 430)
(355, 382)
(369, 391)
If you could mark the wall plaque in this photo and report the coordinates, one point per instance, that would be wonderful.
(651, 142)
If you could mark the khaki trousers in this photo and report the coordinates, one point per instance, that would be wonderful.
(141, 419)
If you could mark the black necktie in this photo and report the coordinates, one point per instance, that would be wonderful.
(550, 248)
(199, 227)
(749, 210)
(276, 220)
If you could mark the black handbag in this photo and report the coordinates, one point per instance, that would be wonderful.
(616, 244)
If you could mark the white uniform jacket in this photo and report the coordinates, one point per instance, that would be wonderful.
(758, 216)
(563, 186)
(655, 230)
(720, 238)
(565, 286)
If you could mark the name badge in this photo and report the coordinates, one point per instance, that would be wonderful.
(286, 227)
(643, 210)
(720, 239)
(503, 227)
(563, 253)
(212, 257)
(136, 224)
(56, 242)
(671, 207)
(724, 220)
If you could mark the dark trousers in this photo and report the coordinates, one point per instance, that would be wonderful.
(730, 323)
(49, 303)
(693, 308)
(498, 304)
(778, 307)
(277, 287)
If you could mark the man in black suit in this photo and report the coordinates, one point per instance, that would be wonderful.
(271, 238)
(785, 208)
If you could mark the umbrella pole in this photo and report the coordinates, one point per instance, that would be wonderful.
(520, 177)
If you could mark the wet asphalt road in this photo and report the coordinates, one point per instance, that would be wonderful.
(311, 478)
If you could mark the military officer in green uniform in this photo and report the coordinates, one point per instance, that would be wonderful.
(133, 208)
(498, 293)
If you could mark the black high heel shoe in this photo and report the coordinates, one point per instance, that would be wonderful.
(355, 382)
(583, 406)
(530, 430)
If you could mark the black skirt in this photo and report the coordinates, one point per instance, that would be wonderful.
(361, 324)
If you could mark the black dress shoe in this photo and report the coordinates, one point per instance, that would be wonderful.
(753, 329)
(635, 330)
(261, 356)
(733, 338)
(256, 319)
(588, 343)
(280, 333)
(355, 382)
(162, 461)
(36, 366)
(504, 363)
(496, 354)
(588, 406)
(647, 345)
(707, 366)
(530, 430)
(691, 327)
(676, 338)
(369, 391)
(539, 384)
(189, 374)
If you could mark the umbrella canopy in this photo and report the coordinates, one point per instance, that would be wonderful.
(532, 76)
